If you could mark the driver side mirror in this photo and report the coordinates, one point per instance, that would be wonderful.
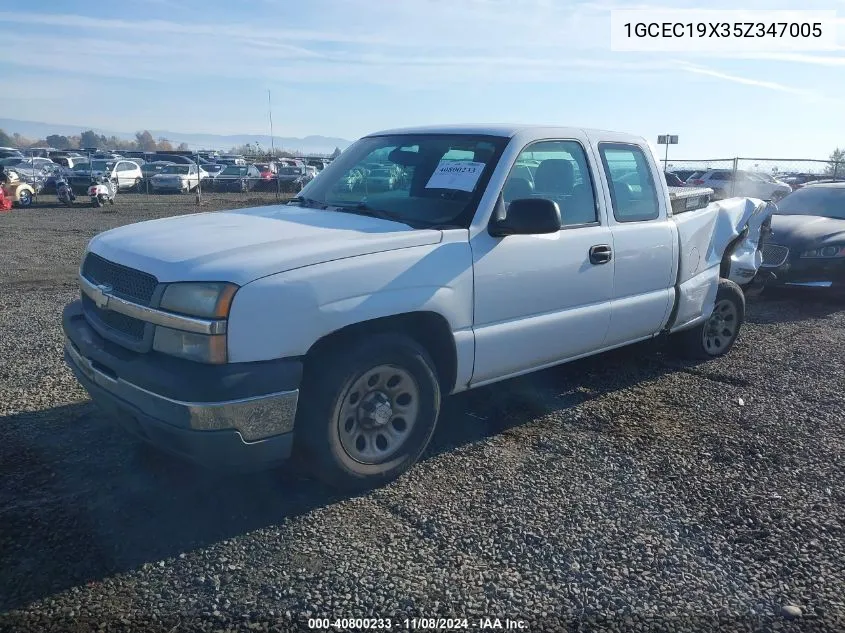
(525, 216)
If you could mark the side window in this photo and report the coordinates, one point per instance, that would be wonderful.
(632, 188)
(556, 170)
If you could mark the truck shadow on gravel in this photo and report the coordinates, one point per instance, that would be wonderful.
(80, 500)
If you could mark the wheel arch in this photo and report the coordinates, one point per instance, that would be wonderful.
(429, 329)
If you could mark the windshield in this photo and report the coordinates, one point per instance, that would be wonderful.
(437, 179)
(176, 169)
(8, 162)
(99, 165)
(153, 166)
(290, 171)
(234, 170)
(828, 202)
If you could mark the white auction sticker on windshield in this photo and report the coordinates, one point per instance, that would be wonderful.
(456, 174)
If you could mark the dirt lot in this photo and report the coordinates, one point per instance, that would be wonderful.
(625, 492)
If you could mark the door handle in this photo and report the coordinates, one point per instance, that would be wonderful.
(600, 254)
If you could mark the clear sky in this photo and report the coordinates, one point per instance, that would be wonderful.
(347, 67)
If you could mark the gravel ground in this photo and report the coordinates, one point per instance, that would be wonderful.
(625, 492)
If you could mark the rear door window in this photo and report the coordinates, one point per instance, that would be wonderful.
(632, 189)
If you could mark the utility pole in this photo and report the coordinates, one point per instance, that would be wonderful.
(272, 142)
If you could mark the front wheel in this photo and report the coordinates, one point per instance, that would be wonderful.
(717, 335)
(368, 410)
(96, 202)
(24, 199)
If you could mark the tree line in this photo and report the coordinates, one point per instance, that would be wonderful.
(144, 141)
(837, 160)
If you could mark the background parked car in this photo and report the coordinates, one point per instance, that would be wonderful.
(684, 174)
(807, 244)
(381, 179)
(126, 173)
(148, 170)
(725, 184)
(672, 179)
(269, 172)
(69, 162)
(212, 170)
(231, 159)
(796, 181)
(237, 178)
(292, 179)
(177, 178)
(27, 167)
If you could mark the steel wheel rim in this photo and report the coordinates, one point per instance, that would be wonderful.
(721, 327)
(25, 198)
(378, 414)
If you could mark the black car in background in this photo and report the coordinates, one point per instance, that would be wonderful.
(237, 178)
(151, 169)
(807, 244)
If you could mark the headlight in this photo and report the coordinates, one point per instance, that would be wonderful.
(210, 300)
(825, 251)
(201, 348)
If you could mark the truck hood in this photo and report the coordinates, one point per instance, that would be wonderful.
(247, 244)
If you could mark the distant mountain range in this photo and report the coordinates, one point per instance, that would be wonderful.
(310, 144)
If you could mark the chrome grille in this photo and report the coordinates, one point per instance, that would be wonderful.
(774, 254)
(126, 325)
(128, 283)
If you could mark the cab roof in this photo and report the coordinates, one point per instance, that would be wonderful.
(503, 130)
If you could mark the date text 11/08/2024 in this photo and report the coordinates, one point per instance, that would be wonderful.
(416, 624)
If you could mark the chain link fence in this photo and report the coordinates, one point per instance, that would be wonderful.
(765, 178)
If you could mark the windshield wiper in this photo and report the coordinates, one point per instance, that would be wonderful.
(362, 208)
(307, 202)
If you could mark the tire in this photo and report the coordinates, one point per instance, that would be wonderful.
(717, 335)
(24, 199)
(137, 187)
(345, 446)
(95, 201)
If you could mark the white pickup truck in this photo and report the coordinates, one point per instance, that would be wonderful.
(332, 326)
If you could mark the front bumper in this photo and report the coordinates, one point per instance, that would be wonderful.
(239, 415)
(808, 272)
(169, 186)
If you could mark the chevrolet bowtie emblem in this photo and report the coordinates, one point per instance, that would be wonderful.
(101, 295)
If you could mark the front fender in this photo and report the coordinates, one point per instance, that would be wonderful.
(284, 315)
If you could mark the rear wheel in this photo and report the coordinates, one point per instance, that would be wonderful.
(717, 335)
(369, 409)
(24, 198)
